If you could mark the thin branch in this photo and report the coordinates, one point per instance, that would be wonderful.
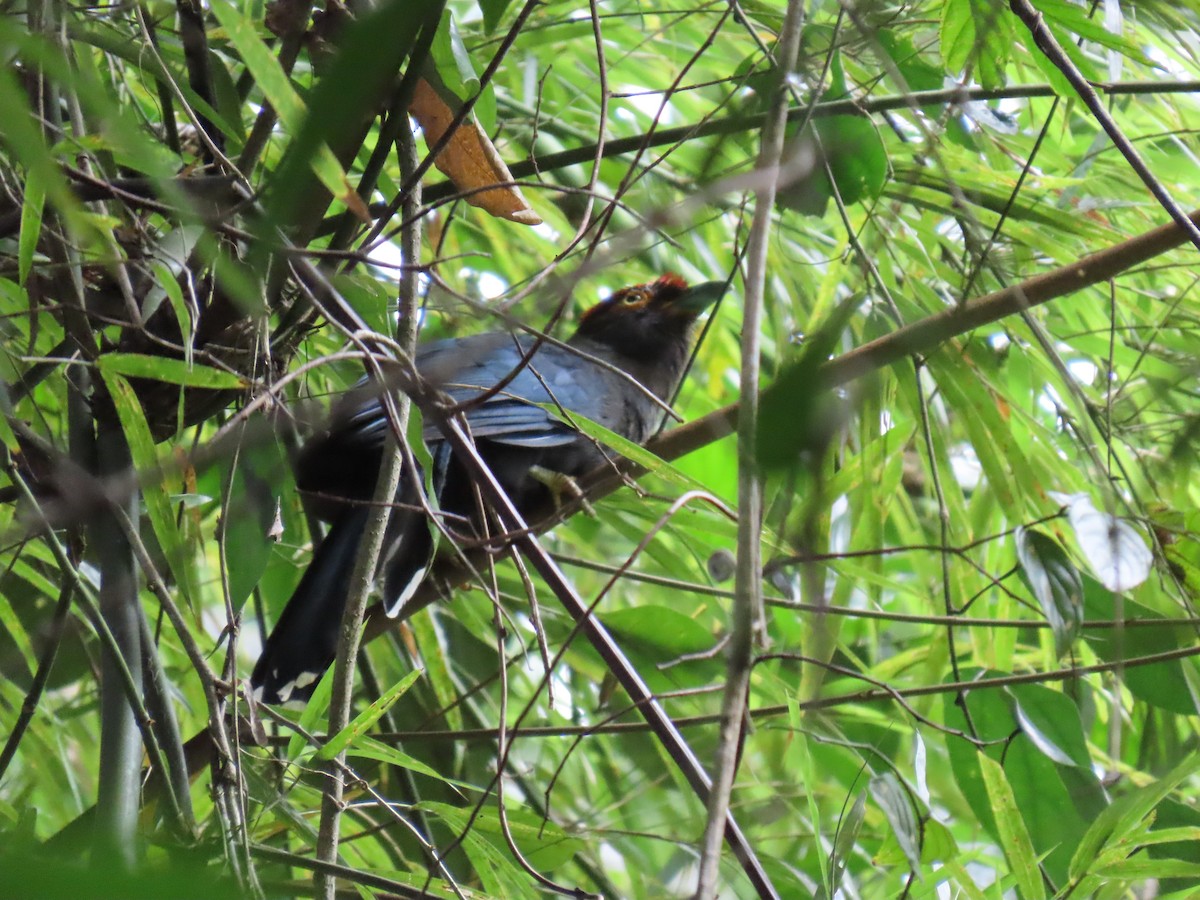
(53, 637)
(333, 871)
(737, 124)
(926, 335)
(872, 695)
(119, 784)
(165, 725)
(1044, 38)
(396, 406)
(747, 612)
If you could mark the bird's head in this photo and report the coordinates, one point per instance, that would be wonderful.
(643, 321)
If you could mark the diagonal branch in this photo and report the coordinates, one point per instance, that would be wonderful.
(747, 611)
(928, 334)
(624, 671)
(1046, 42)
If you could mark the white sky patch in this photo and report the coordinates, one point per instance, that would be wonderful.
(488, 285)
(91, 573)
(491, 286)
(625, 115)
(1049, 400)
(1173, 67)
(547, 232)
(613, 860)
(964, 462)
(250, 638)
(950, 228)
(839, 525)
(999, 341)
(649, 104)
(387, 256)
(1083, 370)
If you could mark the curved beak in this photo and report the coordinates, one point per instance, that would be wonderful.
(701, 296)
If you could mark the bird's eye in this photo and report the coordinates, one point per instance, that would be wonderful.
(631, 297)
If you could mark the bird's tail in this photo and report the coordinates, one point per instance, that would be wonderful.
(303, 643)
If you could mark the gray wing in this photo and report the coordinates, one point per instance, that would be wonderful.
(465, 368)
(511, 415)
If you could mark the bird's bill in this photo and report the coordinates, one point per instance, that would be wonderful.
(700, 297)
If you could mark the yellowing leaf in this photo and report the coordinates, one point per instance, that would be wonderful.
(469, 159)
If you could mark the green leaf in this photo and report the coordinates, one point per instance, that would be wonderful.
(31, 151)
(25, 658)
(492, 863)
(372, 748)
(891, 797)
(133, 54)
(1014, 837)
(1139, 869)
(977, 32)
(847, 836)
(120, 127)
(493, 12)
(632, 451)
(1127, 814)
(665, 632)
(1069, 17)
(451, 60)
(856, 156)
(1055, 583)
(543, 844)
(171, 371)
(1055, 804)
(368, 717)
(62, 876)
(437, 666)
(799, 415)
(1166, 685)
(31, 225)
(250, 513)
(314, 714)
(347, 97)
(154, 492)
(957, 33)
(369, 297)
(1051, 721)
(165, 280)
(918, 74)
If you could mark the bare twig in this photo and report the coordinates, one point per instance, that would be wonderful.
(1044, 38)
(70, 578)
(833, 701)
(397, 407)
(748, 601)
(625, 673)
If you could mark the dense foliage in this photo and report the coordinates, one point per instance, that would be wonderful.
(975, 675)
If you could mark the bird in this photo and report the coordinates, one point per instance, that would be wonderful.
(619, 369)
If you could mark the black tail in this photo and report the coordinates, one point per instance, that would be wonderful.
(303, 643)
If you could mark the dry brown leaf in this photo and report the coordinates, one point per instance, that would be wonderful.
(469, 159)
